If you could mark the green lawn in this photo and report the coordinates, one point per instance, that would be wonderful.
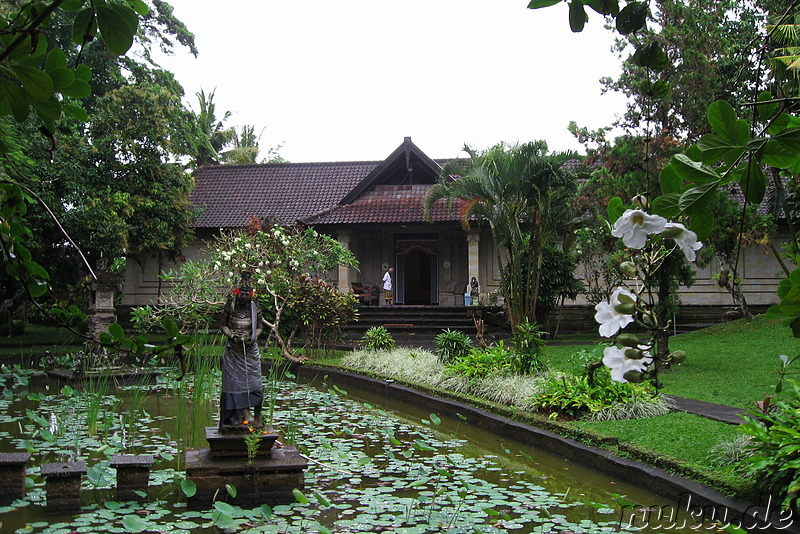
(732, 363)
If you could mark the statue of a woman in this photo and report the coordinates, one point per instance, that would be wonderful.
(241, 362)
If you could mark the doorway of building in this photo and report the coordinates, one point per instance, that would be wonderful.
(416, 271)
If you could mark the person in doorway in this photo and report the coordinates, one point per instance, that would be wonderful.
(241, 362)
(387, 287)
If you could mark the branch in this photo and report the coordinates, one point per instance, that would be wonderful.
(55, 220)
(34, 24)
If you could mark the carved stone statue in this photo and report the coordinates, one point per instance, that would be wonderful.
(474, 290)
(242, 392)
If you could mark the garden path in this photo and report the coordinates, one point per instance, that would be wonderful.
(717, 412)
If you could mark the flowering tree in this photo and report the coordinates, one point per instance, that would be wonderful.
(651, 239)
(284, 266)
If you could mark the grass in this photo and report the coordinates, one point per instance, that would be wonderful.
(733, 363)
(667, 434)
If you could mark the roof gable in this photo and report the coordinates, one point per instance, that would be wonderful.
(226, 196)
(407, 165)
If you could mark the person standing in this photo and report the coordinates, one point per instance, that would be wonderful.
(387, 287)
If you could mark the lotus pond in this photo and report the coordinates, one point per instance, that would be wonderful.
(372, 467)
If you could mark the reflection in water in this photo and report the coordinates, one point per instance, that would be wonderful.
(373, 468)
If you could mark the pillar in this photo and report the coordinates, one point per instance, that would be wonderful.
(63, 486)
(344, 239)
(473, 257)
(13, 466)
(133, 474)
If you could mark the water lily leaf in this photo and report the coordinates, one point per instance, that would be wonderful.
(299, 497)
(231, 490)
(134, 523)
(225, 508)
(188, 487)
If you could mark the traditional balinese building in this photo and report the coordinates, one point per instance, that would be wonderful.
(375, 209)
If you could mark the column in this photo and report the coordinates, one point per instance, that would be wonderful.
(344, 237)
(473, 256)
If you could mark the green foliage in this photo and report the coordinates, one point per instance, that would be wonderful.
(557, 282)
(570, 396)
(378, 338)
(528, 348)
(521, 192)
(286, 266)
(452, 345)
(318, 312)
(481, 363)
(789, 308)
(775, 461)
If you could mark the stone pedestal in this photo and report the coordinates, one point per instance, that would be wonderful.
(12, 476)
(234, 445)
(267, 480)
(101, 308)
(63, 486)
(133, 474)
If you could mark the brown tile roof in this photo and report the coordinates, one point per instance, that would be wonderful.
(386, 204)
(228, 195)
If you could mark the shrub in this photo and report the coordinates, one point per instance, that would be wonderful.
(566, 395)
(775, 461)
(528, 347)
(378, 338)
(480, 363)
(452, 345)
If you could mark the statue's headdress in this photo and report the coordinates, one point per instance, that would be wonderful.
(245, 284)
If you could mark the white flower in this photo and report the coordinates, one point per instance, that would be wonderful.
(614, 358)
(635, 225)
(609, 314)
(684, 238)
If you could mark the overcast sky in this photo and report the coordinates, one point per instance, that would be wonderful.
(348, 80)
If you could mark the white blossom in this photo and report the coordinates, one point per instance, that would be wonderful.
(608, 314)
(684, 238)
(635, 225)
(614, 358)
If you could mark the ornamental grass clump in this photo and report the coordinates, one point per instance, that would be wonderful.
(378, 338)
(528, 348)
(452, 345)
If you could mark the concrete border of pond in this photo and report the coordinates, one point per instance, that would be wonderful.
(696, 503)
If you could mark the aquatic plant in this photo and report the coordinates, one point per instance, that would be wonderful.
(378, 471)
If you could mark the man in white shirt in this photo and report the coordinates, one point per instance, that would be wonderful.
(387, 286)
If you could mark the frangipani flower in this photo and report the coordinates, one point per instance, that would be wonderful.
(614, 358)
(615, 314)
(635, 225)
(684, 238)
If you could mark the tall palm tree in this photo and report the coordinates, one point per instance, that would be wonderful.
(215, 135)
(245, 147)
(522, 192)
